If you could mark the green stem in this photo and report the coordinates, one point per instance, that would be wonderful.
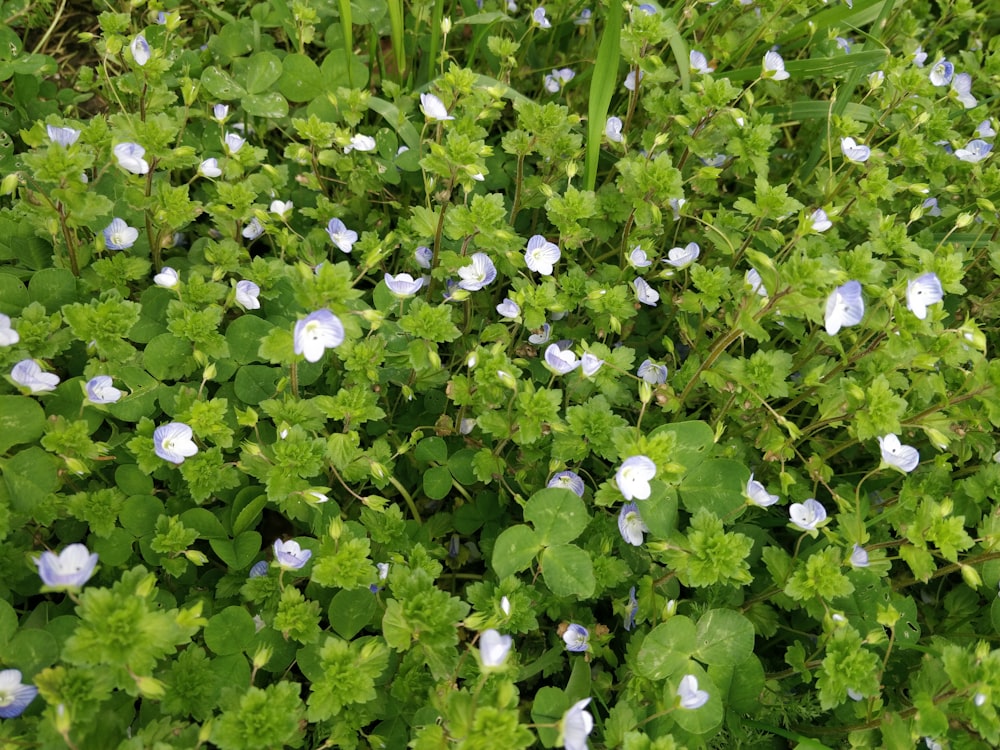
(406, 496)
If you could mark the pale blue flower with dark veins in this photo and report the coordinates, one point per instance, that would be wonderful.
(985, 129)
(975, 151)
(859, 557)
(220, 112)
(63, 136)
(494, 647)
(844, 307)
(613, 129)
(542, 336)
(774, 67)
(757, 494)
(755, 282)
(633, 477)
(317, 332)
(652, 373)
(807, 516)
(576, 726)
(819, 221)
(931, 207)
(633, 609)
(576, 638)
(140, 50)
(541, 255)
(638, 258)
(14, 697)
(403, 285)
(28, 374)
(508, 309)
(584, 18)
(699, 63)
(129, 156)
(560, 361)
(68, 570)
(631, 525)
(423, 256)
(118, 235)
(289, 555)
(905, 458)
(645, 293)
(174, 442)
(923, 291)
(246, 295)
(590, 364)
(341, 236)
(853, 151)
(942, 72)
(539, 18)
(8, 336)
(478, 274)
(568, 480)
(919, 57)
(100, 390)
(259, 570)
(632, 80)
(690, 696)
(844, 44)
(682, 257)
(233, 142)
(962, 86)
(555, 80)
(253, 230)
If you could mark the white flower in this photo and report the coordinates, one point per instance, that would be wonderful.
(542, 336)
(652, 373)
(167, 278)
(844, 307)
(630, 524)
(281, 208)
(541, 255)
(28, 374)
(962, 86)
(560, 361)
(557, 79)
(101, 391)
(360, 142)
(698, 62)
(690, 696)
(682, 257)
(210, 167)
(898, 456)
(220, 112)
(140, 50)
(67, 136)
(433, 108)
(590, 364)
(478, 274)
(246, 294)
(755, 282)
(919, 57)
(174, 442)
(539, 18)
(808, 515)
(942, 72)
(645, 293)
(859, 557)
(774, 66)
(853, 151)
(8, 336)
(638, 258)
(975, 151)
(233, 142)
(289, 555)
(923, 291)
(403, 285)
(676, 204)
(819, 221)
(129, 156)
(568, 480)
(341, 236)
(634, 476)
(985, 129)
(494, 648)
(253, 230)
(613, 129)
(316, 333)
(631, 80)
(508, 308)
(576, 726)
(15, 697)
(876, 79)
(757, 494)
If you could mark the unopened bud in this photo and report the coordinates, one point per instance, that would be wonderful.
(336, 529)
(150, 687)
(964, 219)
(645, 392)
(9, 184)
(507, 380)
(261, 657)
(971, 577)
(196, 557)
(446, 26)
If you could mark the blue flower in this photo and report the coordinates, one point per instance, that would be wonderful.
(317, 332)
(923, 291)
(942, 72)
(568, 480)
(253, 230)
(613, 129)
(539, 19)
(903, 457)
(645, 293)
(28, 374)
(690, 696)
(14, 697)
(853, 151)
(919, 57)
(633, 609)
(699, 63)
(560, 361)
(755, 282)
(844, 44)
(590, 364)
(757, 494)
(859, 557)
(576, 726)
(508, 308)
(985, 129)
(8, 336)
(638, 258)
(64, 136)
(844, 307)
(129, 156)
(682, 257)
(68, 570)
(220, 112)
(584, 18)
(494, 648)
(423, 256)
(140, 50)
(807, 516)
(403, 285)
(819, 221)
(341, 236)
(774, 67)
(289, 555)
(101, 391)
(931, 207)
(480, 273)
(542, 336)
(652, 373)
(541, 255)
(555, 80)
(233, 142)
(975, 151)
(631, 525)
(174, 442)
(119, 236)
(962, 86)
(246, 294)
(576, 638)
(632, 80)
(259, 570)
(634, 476)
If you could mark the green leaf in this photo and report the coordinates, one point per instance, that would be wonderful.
(13, 295)
(230, 631)
(260, 72)
(558, 515)
(693, 442)
(255, 383)
(602, 87)
(301, 80)
(22, 420)
(864, 61)
(437, 482)
(659, 512)
(351, 611)
(568, 571)
(271, 105)
(31, 476)
(725, 638)
(397, 120)
(237, 553)
(244, 336)
(167, 357)
(514, 550)
(739, 685)
(717, 485)
(431, 450)
(221, 85)
(52, 288)
(667, 648)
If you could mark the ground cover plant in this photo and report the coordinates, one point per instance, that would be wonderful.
(492, 375)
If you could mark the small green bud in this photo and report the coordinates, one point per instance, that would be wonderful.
(507, 380)
(189, 91)
(971, 577)
(336, 529)
(964, 219)
(261, 657)
(9, 184)
(196, 557)
(645, 392)
(150, 687)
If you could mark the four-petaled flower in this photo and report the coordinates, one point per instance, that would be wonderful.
(433, 108)
(757, 494)
(253, 230)
(543, 335)
(67, 136)
(14, 697)
(68, 570)
(220, 112)
(844, 307)
(699, 63)
(539, 18)
(233, 142)
(129, 156)
(690, 696)
(854, 151)
(774, 66)
(755, 282)
(638, 258)
(28, 374)
(360, 142)
(808, 515)
(632, 80)
(975, 151)
(317, 332)
(508, 308)
(942, 72)
(168, 278)
(576, 726)
(634, 475)
(140, 50)
(341, 236)
(281, 208)
(962, 86)
(631, 525)
(859, 557)
(8, 336)
(652, 373)
(645, 293)
(568, 480)
(541, 255)
(576, 638)
(898, 456)
(923, 291)
(494, 648)
(100, 390)
(403, 285)
(560, 361)
(119, 236)
(246, 295)
(423, 256)
(477, 274)
(682, 257)
(919, 57)
(590, 364)
(289, 555)
(613, 129)
(555, 80)
(985, 129)
(174, 442)
(819, 221)
(210, 168)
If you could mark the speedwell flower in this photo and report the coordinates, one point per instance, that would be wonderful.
(281, 208)
(220, 112)
(919, 57)
(478, 274)
(613, 129)
(289, 555)
(100, 390)
(542, 336)
(168, 278)
(560, 361)
(140, 50)
(14, 696)
(233, 142)
(494, 647)
(634, 475)
(576, 638)
(942, 72)
(975, 151)
(755, 282)
(903, 457)
(360, 142)
(985, 129)
(652, 373)
(962, 86)
(590, 364)
(555, 80)
(403, 285)
(246, 295)
(690, 696)
(253, 229)
(631, 525)
(632, 80)
(539, 18)
(819, 221)
(645, 293)
(774, 67)
(174, 442)
(8, 336)
(757, 494)
(28, 374)
(682, 257)
(68, 570)
(859, 557)
(317, 332)
(632, 611)
(638, 258)
(808, 515)
(118, 235)
(129, 156)
(63, 136)
(423, 256)
(854, 151)
(508, 308)
(567, 480)
(210, 168)
(541, 255)
(931, 207)
(433, 108)
(341, 236)
(844, 307)
(576, 726)
(923, 291)
(699, 63)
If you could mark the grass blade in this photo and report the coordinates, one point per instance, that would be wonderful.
(347, 27)
(602, 87)
(396, 35)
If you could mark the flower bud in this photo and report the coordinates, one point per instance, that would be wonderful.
(971, 577)
(507, 380)
(964, 219)
(196, 557)
(378, 471)
(645, 392)
(261, 657)
(336, 529)
(446, 26)
(9, 184)
(150, 687)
